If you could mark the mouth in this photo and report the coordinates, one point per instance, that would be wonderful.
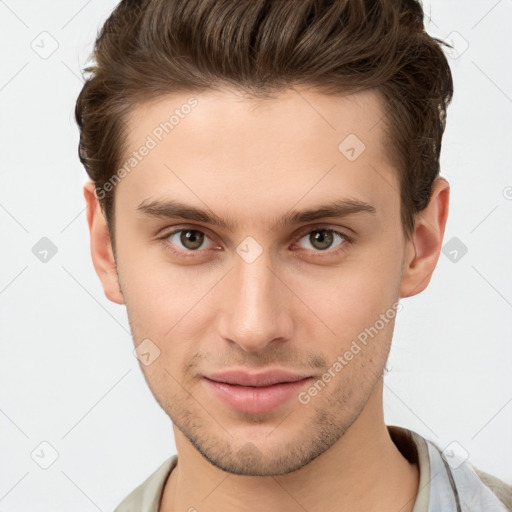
(255, 393)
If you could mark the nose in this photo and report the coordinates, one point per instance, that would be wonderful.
(256, 312)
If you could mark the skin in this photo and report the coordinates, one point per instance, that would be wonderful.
(296, 307)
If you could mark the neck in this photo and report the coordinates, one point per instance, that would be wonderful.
(363, 470)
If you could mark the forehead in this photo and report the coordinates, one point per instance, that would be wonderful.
(289, 117)
(233, 150)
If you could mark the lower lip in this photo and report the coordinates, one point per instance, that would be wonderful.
(255, 400)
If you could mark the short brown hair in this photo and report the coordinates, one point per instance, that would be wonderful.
(149, 48)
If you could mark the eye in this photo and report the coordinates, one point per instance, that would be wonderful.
(323, 239)
(187, 239)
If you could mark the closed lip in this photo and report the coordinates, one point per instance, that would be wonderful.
(266, 378)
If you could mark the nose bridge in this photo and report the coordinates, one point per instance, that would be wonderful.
(256, 312)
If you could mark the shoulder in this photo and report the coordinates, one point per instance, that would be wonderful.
(501, 490)
(146, 497)
(471, 487)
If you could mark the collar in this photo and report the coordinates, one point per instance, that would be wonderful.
(446, 483)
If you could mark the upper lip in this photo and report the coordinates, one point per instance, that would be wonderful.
(266, 378)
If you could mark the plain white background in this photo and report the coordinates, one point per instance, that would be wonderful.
(68, 376)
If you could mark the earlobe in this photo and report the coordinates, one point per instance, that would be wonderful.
(424, 247)
(101, 246)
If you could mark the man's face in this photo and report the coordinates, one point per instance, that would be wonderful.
(257, 294)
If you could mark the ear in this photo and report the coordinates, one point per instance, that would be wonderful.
(424, 247)
(101, 246)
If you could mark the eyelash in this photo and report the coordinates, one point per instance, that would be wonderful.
(191, 254)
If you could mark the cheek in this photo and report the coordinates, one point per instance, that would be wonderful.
(170, 305)
(166, 304)
(354, 295)
(159, 293)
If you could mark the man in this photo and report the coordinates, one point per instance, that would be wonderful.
(264, 190)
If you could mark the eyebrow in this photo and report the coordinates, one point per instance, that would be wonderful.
(172, 209)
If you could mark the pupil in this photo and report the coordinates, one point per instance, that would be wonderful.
(324, 237)
(191, 239)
